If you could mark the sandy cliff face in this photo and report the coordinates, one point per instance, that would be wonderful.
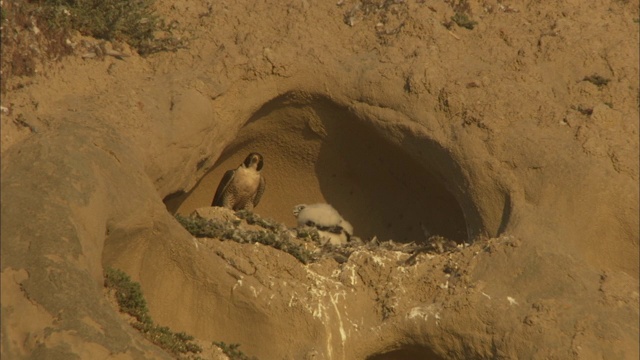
(399, 122)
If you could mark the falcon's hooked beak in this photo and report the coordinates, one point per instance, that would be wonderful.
(297, 209)
(254, 160)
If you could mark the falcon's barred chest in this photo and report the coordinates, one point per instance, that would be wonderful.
(242, 188)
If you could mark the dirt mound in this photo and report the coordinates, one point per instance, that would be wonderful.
(510, 128)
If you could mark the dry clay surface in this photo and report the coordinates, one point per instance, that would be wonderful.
(491, 137)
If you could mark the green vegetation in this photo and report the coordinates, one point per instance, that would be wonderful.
(35, 31)
(253, 219)
(462, 15)
(274, 235)
(597, 80)
(133, 22)
(175, 343)
(130, 21)
(132, 302)
(308, 233)
(128, 294)
(583, 110)
(279, 237)
(388, 17)
(463, 20)
(200, 227)
(232, 351)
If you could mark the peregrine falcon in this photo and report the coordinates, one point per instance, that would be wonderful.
(242, 188)
(331, 226)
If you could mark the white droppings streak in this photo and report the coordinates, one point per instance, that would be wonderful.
(255, 292)
(353, 277)
(424, 312)
(317, 313)
(377, 260)
(334, 301)
(321, 290)
(335, 274)
(351, 269)
(418, 312)
(238, 283)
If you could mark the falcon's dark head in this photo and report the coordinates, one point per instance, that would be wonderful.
(254, 160)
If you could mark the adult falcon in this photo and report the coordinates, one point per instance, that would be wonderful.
(242, 188)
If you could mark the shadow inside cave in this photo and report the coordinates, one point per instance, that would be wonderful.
(407, 353)
(380, 187)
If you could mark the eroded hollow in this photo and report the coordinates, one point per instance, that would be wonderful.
(318, 151)
(407, 353)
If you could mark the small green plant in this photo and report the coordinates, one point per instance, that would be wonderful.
(253, 219)
(200, 227)
(273, 234)
(37, 31)
(131, 301)
(232, 351)
(128, 294)
(133, 22)
(308, 233)
(583, 110)
(597, 80)
(463, 20)
(175, 343)
(389, 16)
(462, 15)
